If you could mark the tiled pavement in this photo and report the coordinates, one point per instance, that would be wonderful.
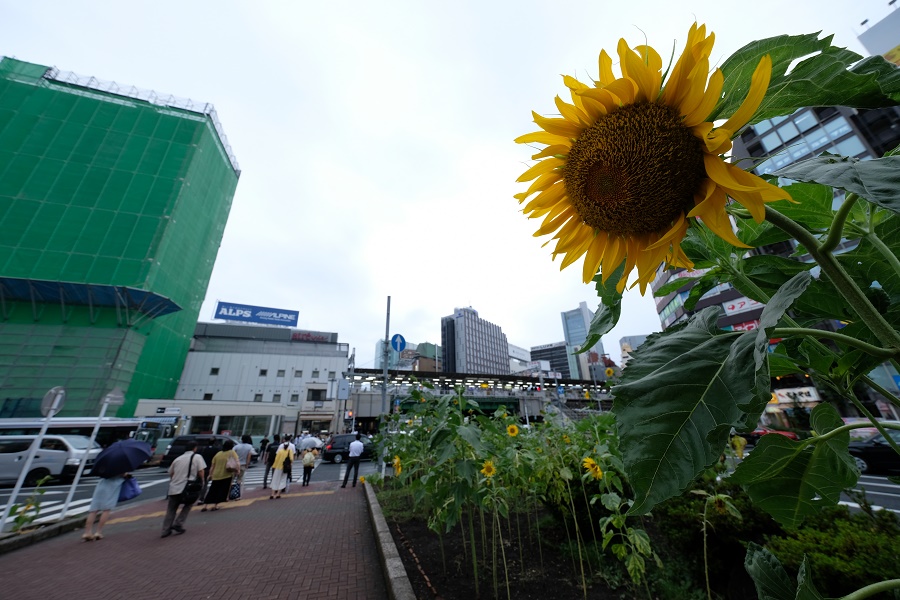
(316, 542)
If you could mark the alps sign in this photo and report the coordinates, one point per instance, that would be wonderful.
(256, 314)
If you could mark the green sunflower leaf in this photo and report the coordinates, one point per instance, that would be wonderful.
(823, 79)
(760, 234)
(706, 283)
(791, 479)
(869, 266)
(781, 365)
(877, 180)
(812, 206)
(674, 285)
(805, 588)
(771, 580)
(609, 311)
(683, 392)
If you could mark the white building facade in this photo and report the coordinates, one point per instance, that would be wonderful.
(258, 380)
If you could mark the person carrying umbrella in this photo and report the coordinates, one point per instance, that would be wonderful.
(113, 466)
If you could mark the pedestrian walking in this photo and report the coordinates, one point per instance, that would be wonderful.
(356, 450)
(105, 498)
(284, 458)
(271, 451)
(225, 465)
(185, 469)
(245, 452)
(309, 463)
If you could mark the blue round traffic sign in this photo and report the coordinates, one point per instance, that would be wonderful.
(398, 343)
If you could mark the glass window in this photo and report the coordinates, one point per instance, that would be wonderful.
(257, 397)
(798, 150)
(207, 396)
(214, 371)
(315, 374)
(276, 398)
(837, 127)
(263, 372)
(805, 121)
(850, 147)
(280, 373)
(777, 120)
(788, 131)
(298, 373)
(816, 139)
(762, 127)
(295, 397)
(771, 141)
(330, 374)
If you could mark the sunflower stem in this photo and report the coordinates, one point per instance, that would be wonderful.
(878, 388)
(839, 277)
(837, 226)
(865, 412)
(884, 251)
(837, 337)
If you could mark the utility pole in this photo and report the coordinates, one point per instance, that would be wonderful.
(385, 357)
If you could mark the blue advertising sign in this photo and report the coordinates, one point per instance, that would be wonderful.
(398, 343)
(256, 314)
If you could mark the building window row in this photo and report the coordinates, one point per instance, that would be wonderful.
(280, 373)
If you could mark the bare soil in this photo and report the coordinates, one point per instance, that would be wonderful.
(540, 571)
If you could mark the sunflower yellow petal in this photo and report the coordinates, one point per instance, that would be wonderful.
(594, 254)
(543, 182)
(542, 137)
(548, 197)
(633, 67)
(555, 150)
(680, 226)
(548, 164)
(560, 127)
(711, 96)
(759, 83)
(552, 223)
(606, 72)
(572, 113)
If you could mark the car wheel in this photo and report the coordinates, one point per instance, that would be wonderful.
(861, 464)
(32, 479)
(338, 459)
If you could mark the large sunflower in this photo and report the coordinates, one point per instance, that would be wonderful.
(631, 160)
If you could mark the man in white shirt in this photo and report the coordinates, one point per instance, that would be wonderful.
(356, 450)
(183, 469)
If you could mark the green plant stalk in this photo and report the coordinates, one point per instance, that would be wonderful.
(578, 539)
(839, 278)
(837, 225)
(839, 430)
(521, 549)
(537, 523)
(705, 552)
(878, 425)
(503, 554)
(890, 397)
(495, 525)
(875, 588)
(884, 251)
(837, 337)
(474, 553)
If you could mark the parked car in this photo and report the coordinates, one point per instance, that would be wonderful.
(337, 449)
(59, 457)
(179, 445)
(875, 455)
(753, 436)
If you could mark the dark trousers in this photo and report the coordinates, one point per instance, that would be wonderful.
(171, 520)
(266, 475)
(354, 465)
(307, 473)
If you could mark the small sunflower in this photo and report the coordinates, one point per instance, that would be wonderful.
(632, 160)
(398, 465)
(487, 469)
(591, 466)
(610, 371)
(512, 430)
(567, 439)
(362, 479)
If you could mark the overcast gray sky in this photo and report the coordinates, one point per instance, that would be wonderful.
(375, 138)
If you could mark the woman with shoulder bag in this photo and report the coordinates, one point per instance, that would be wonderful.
(281, 469)
(225, 465)
(187, 480)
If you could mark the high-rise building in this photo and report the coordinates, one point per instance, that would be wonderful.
(884, 37)
(473, 345)
(576, 324)
(629, 344)
(556, 354)
(113, 201)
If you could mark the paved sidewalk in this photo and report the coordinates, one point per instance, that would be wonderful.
(316, 542)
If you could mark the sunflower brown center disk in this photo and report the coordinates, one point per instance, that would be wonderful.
(635, 170)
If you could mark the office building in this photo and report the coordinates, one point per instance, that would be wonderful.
(629, 344)
(260, 380)
(576, 325)
(884, 37)
(557, 355)
(113, 201)
(473, 345)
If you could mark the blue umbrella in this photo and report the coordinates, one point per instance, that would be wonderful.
(121, 457)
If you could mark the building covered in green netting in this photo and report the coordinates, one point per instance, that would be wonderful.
(113, 201)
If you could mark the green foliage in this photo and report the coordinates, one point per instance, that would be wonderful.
(824, 79)
(844, 551)
(878, 180)
(609, 311)
(25, 514)
(792, 479)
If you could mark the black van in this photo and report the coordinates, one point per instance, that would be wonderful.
(337, 449)
(179, 445)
